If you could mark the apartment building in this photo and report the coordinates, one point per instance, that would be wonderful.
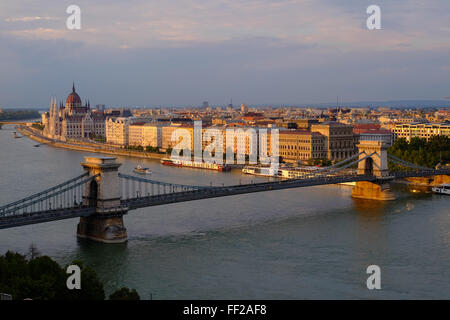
(167, 131)
(247, 140)
(295, 145)
(117, 130)
(421, 130)
(145, 134)
(340, 142)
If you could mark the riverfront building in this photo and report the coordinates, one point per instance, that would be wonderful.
(145, 134)
(421, 130)
(73, 120)
(243, 140)
(340, 142)
(117, 130)
(167, 131)
(298, 145)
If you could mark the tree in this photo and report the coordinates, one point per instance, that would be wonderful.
(91, 286)
(125, 294)
(42, 278)
(417, 143)
(400, 144)
(38, 126)
(421, 152)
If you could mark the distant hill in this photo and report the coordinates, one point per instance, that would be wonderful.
(9, 115)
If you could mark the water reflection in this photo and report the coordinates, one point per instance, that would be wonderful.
(370, 209)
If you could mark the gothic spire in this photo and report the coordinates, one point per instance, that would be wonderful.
(52, 105)
(73, 87)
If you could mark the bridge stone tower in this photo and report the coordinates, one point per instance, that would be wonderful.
(103, 193)
(376, 165)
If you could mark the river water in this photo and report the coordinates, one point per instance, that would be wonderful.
(304, 243)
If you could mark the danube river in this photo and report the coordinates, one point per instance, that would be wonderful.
(293, 244)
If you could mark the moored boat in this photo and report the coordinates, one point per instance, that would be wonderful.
(261, 171)
(442, 189)
(195, 165)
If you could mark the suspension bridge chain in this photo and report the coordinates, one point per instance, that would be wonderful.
(65, 195)
(214, 192)
(414, 170)
(135, 187)
(340, 169)
(406, 163)
(337, 169)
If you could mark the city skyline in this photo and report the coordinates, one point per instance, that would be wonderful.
(257, 52)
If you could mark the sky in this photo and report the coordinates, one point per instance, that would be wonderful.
(184, 52)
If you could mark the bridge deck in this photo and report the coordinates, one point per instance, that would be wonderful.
(141, 202)
(45, 216)
(9, 221)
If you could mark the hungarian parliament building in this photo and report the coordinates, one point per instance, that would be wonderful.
(73, 120)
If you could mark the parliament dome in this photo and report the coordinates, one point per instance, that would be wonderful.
(73, 98)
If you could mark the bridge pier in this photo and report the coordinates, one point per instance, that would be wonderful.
(374, 165)
(372, 191)
(103, 193)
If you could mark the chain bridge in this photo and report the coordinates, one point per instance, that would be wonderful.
(102, 195)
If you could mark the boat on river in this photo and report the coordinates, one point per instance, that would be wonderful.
(196, 165)
(141, 170)
(442, 189)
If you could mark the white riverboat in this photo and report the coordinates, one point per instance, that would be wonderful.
(297, 172)
(261, 171)
(442, 189)
(196, 165)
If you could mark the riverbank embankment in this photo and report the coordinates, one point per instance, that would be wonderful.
(87, 146)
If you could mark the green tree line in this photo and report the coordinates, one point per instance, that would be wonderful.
(41, 278)
(19, 115)
(422, 152)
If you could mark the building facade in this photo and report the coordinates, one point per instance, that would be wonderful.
(340, 142)
(421, 130)
(300, 145)
(117, 130)
(145, 134)
(166, 135)
(73, 120)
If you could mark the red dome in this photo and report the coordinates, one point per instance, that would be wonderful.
(73, 97)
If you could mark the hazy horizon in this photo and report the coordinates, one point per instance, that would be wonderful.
(396, 104)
